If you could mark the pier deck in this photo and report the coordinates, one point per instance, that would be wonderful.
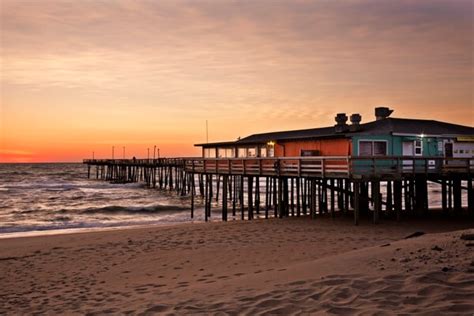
(297, 185)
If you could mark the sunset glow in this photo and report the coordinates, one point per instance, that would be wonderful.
(82, 76)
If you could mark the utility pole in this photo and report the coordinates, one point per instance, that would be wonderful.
(148, 153)
(123, 152)
(113, 152)
(207, 132)
(154, 152)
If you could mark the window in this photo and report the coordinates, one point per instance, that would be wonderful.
(418, 147)
(263, 151)
(225, 153)
(220, 153)
(242, 152)
(365, 148)
(209, 153)
(372, 148)
(229, 153)
(309, 153)
(380, 148)
(271, 151)
(252, 152)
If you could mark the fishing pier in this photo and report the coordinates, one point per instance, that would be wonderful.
(299, 186)
(378, 168)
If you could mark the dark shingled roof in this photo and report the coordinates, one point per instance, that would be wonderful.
(384, 126)
(413, 126)
(297, 134)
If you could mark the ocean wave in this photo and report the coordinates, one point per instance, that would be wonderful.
(116, 209)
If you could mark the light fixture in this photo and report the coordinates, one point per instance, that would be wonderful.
(271, 143)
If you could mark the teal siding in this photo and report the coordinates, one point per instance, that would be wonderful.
(356, 139)
(395, 144)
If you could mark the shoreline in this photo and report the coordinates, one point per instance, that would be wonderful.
(275, 266)
(436, 215)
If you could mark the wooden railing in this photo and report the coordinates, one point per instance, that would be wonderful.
(137, 162)
(296, 167)
(337, 166)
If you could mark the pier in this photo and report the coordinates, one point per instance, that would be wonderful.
(298, 186)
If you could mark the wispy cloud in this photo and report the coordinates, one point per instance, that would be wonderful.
(260, 63)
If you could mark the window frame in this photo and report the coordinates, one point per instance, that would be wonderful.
(420, 147)
(372, 141)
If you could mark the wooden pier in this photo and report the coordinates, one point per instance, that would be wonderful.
(288, 186)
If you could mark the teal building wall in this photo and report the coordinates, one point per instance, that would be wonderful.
(395, 144)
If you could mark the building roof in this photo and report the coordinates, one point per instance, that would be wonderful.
(221, 144)
(379, 127)
(413, 126)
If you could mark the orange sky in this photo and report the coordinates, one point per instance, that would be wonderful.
(83, 76)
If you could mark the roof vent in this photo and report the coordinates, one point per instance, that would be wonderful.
(355, 120)
(382, 113)
(341, 119)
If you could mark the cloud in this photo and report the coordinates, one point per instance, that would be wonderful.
(286, 63)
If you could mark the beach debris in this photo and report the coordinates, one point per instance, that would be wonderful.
(415, 234)
(467, 236)
(436, 248)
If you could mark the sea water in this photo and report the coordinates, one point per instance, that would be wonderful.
(45, 197)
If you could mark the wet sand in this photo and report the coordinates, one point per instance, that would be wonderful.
(278, 266)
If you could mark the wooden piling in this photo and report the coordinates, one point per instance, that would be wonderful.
(470, 197)
(250, 197)
(376, 196)
(224, 197)
(397, 197)
(457, 194)
(356, 202)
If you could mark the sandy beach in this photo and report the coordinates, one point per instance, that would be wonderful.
(278, 266)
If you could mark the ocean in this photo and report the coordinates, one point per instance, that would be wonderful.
(51, 197)
(54, 198)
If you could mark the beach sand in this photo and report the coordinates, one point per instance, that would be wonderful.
(277, 266)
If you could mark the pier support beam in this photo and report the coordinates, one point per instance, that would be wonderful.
(356, 202)
(470, 197)
(457, 195)
(444, 196)
(225, 187)
(250, 197)
(377, 200)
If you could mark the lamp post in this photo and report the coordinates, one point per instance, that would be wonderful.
(123, 152)
(154, 152)
(113, 154)
(148, 153)
(158, 153)
(93, 156)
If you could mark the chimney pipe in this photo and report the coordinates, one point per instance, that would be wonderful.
(355, 120)
(382, 113)
(341, 119)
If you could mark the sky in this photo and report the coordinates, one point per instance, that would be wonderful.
(78, 77)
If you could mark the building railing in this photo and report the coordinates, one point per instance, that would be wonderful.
(327, 166)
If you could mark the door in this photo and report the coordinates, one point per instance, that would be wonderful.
(448, 150)
(408, 150)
